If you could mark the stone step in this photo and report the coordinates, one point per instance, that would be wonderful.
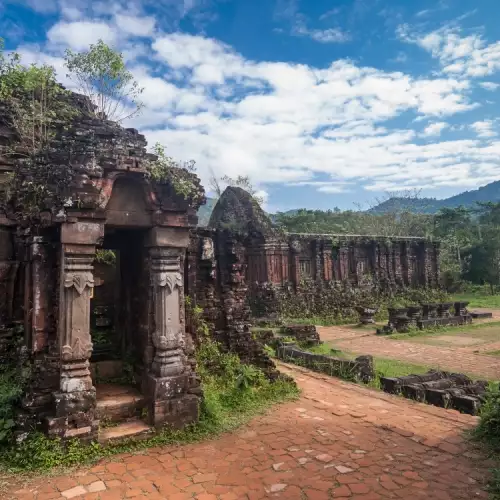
(118, 403)
(134, 429)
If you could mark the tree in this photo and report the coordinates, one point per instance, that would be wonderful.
(243, 181)
(101, 75)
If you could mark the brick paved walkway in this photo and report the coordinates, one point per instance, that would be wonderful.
(457, 358)
(338, 441)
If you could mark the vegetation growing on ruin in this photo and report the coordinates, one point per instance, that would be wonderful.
(46, 153)
(165, 170)
(100, 74)
(233, 393)
(333, 303)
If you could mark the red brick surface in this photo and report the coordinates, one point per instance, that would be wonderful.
(338, 440)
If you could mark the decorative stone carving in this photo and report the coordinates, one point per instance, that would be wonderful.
(76, 344)
(167, 336)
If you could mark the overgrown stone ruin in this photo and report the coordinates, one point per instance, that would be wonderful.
(447, 390)
(402, 319)
(95, 268)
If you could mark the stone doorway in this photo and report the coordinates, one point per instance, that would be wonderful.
(117, 307)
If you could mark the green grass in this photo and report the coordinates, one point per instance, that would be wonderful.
(318, 321)
(328, 350)
(479, 299)
(444, 330)
(394, 368)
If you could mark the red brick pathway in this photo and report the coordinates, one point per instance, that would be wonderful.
(338, 441)
(457, 358)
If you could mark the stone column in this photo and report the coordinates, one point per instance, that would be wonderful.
(75, 401)
(327, 261)
(396, 255)
(170, 385)
(294, 252)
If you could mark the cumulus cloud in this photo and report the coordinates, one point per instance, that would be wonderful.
(280, 122)
(484, 129)
(79, 35)
(137, 26)
(434, 129)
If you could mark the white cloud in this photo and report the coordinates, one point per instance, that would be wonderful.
(331, 35)
(79, 35)
(484, 129)
(469, 56)
(434, 129)
(489, 85)
(280, 122)
(137, 26)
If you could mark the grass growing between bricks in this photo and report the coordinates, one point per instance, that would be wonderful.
(233, 394)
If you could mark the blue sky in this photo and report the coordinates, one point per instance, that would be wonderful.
(321, 103)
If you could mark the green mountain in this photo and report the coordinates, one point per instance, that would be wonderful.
(490, 192)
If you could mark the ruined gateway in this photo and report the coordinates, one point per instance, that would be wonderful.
(58, 301)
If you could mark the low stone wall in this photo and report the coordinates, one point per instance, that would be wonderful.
(359, 369)
(305, 334)
(447, 390)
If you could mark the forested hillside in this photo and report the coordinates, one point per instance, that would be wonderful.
(490, 192)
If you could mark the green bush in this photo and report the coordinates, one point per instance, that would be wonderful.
(488, 428)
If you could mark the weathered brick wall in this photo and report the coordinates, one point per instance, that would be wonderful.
(217, 267)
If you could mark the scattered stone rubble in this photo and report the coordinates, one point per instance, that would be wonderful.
(447, 390)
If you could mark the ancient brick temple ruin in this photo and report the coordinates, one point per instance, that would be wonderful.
(243, 241)
(94, 287)
(48, 284)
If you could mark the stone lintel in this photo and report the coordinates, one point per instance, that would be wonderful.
(82, 233)
(173, 237)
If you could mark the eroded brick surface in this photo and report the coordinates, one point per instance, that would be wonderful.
(338, 441)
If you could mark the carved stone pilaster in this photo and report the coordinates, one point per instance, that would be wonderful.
(74, 326)
(168, 333)
(171, 386)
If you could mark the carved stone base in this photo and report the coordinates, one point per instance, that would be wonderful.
(75, 416)
(175, 413)
(169, 401)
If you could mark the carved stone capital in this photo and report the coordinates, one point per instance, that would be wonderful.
(79, 281)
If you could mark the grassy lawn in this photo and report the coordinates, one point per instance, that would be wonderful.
(488, 331)
(479, 299)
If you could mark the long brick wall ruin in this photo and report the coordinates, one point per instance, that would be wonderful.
(266, 262)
